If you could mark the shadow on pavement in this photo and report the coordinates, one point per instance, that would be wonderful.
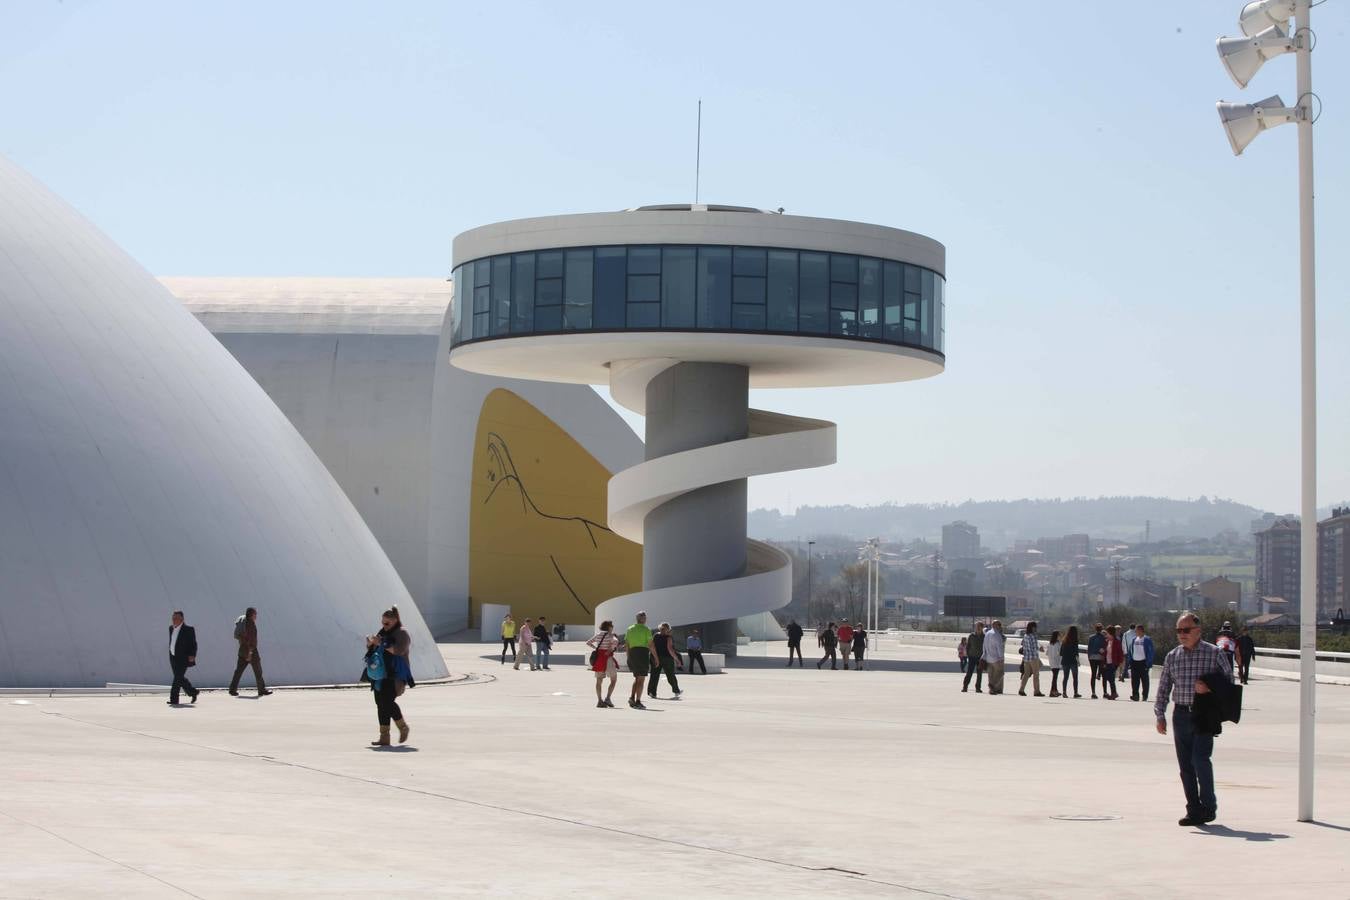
(1225, 831)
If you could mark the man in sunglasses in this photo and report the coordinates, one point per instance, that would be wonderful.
(1183, 669)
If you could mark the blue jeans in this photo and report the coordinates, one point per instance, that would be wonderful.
(1197, 770)
(542, 650)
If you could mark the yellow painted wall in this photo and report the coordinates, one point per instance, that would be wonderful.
(537, 535)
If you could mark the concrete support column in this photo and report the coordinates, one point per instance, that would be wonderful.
(698, 536)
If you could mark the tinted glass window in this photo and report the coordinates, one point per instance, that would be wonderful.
(457, 305)
(869, 298)
(644, 288)
(679, 284)
(522, 293)
(501, 294)
(815, 293)
(748, 261)
(550, 264)
(611, 273)
(892, 286)
(547, 292)
(747, 290)
(746, 317)
(548, 318)
(482, 273)
(926, 331)
(844, 296)
(714, 287)
(644, 315)
(782, 290)
(843, 268)
(482, 299)
(577, 288)
(644, 260)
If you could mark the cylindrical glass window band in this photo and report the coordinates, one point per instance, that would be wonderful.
(685, 287)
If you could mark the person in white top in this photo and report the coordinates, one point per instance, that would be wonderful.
(604, 662)
(1054, 658)
(993, 656)
(526, 638)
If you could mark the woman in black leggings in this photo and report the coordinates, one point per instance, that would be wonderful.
(395, 643)
(1069, 660)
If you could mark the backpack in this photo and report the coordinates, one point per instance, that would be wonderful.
(239, 628)
(375, 663)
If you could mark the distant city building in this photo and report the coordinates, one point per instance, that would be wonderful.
(960, 540)
(1333, 561)
(1221, 592)
(1277, 563)
(1066, 548)
(1145, 593)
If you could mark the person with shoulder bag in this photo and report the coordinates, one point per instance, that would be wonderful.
(604, 662)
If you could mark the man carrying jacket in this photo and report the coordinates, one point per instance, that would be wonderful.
(1184, 670)
(1139, 659)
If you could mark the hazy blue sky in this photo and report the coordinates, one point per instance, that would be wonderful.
(1122, 291)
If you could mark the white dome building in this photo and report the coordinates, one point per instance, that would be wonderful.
(142, 470)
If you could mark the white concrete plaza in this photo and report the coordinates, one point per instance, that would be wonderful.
(761, 782)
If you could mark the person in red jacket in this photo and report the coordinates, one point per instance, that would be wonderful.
(845, 635)
(1114, 658)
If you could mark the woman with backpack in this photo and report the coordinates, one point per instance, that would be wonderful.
(388, 671)
(604, 663)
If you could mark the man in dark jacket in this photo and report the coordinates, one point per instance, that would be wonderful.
(248, 654)
(1246, 653)
(182, 655)
(974, 650)
(829, 641)
(794, 633)
(543, 642)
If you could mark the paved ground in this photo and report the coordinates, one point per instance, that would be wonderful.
(762, 782)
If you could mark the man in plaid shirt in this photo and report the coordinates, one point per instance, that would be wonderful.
(1183, 668)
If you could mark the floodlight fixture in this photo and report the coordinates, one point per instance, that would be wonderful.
(1243, 56)
(1242, 122)
(1259, 15)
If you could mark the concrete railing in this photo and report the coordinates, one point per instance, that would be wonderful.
(1328, 662)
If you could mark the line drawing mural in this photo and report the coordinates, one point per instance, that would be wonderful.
(538, 542)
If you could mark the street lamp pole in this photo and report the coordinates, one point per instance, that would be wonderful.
(1307, 681)
(809, 545)
(1264, 24)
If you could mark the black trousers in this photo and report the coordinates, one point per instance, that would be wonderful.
(1094, 673)
(1138, 678)
(830, 655)
(795, 647)
(508, 643)
(245, 662)
(386, 702)
(1109, 680)
(1244, 668)
(1070, 667)
(696, 656)
(180, 680)
(973, 668)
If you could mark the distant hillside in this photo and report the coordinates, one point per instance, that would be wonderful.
(1001, 522)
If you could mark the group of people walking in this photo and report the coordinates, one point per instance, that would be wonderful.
(535, 643)
(1112, 653)
(836, 642)
(386, 666)
(650, 654)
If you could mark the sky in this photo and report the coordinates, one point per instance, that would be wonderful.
(1122, 291)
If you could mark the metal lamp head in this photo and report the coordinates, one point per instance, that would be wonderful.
(1259, 15)
(1244, 56)
(1242, 122)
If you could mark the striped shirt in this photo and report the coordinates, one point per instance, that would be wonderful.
(1182, 668)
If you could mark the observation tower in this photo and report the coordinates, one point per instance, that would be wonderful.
(681, 309)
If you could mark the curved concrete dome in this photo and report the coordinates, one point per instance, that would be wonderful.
(142, 470)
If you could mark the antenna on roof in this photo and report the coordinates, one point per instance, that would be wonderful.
(698, 148)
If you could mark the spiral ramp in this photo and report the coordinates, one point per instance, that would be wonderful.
(773, 443)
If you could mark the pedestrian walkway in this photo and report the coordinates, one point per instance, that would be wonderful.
(123, 796)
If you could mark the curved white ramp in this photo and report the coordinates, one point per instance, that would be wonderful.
(774, 443)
